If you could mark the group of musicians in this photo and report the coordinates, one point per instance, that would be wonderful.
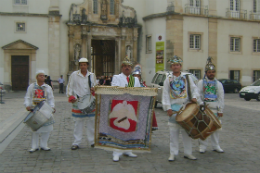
(175, 95)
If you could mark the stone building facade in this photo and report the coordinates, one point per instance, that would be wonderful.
(53, 34)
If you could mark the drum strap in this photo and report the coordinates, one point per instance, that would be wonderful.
(188, 87)
(89, 81)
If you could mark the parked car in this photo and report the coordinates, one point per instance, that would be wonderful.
(2, 91)
(251, 92)
(230, 85)
(158, 79)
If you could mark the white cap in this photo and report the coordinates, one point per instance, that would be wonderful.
(83, 60)
(39, 71)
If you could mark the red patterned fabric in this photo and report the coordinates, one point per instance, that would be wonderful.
(127, 78)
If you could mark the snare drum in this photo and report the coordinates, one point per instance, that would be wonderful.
(87, 103)
(197, 123)
(40, 115)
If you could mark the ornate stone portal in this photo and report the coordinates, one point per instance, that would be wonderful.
(95, 21)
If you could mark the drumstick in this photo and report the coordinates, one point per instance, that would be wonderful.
(122, 119)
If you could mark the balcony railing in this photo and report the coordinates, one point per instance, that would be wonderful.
(254, 15)
(240, 14)
(196, 10)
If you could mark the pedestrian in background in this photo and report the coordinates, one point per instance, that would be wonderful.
(61, 84)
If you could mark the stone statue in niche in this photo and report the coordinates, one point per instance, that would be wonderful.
(84, 17)
(77, 53)
(103, 10)
(129, 52)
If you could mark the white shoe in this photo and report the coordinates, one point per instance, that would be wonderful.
(219, 150)
(115, 158)
(171, 158)
(45, 148)
(130, 154)
(202, 151)
(33, 150)
(191, 157)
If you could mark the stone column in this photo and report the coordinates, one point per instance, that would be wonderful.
(117, 55)
(122, 46)
(54, 46)
(88, 54)
(71, 49)
(135, 38)
(212, 40)
(84, 46)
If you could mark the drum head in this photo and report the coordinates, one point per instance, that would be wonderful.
(190, 109)
(85, 101)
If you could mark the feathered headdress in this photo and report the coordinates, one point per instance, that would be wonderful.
(175, 60)
(209, 64)
(127, 61)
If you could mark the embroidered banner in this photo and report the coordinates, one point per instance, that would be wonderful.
(124, 121)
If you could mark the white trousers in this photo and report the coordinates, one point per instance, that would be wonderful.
(214, 141)
(175, 130)
(78, 130)
(118, 152)
(43, 140)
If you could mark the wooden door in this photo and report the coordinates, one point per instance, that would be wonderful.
(20, 73)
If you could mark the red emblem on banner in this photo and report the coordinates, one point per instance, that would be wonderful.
(123, 116)
(39, 93)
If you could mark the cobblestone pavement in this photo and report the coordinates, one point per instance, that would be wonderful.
(240, 138)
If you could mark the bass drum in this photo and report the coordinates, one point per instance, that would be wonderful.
(87, 104)
(197, 123)
(41, 114)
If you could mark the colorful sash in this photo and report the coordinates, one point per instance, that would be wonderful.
(210, 90)
(178, 87)
(131, 82)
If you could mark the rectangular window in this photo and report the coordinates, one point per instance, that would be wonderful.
(235, 44)
(95, 6)
(234, 75)
(112, 7)
(234, 5)
(256, 45)
(254, 6)
(195, 41)
(196, 73)
(20, 27)
(21, 2)
(256, 75)
(148, 44)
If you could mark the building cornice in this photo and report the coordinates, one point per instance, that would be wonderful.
(158, 15)
(29, 14)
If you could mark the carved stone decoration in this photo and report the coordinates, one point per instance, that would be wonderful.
(103, 10)
(77, 53)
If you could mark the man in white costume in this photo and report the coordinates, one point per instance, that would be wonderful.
(176, 95)
(36, 92)
(212, 93)
(125, 79)
(78, 87)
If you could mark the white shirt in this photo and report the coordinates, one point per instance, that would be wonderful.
(79, 85)
(121, 81)
(61, 80)
(28, 99)
(167, 101)
(219, 104)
